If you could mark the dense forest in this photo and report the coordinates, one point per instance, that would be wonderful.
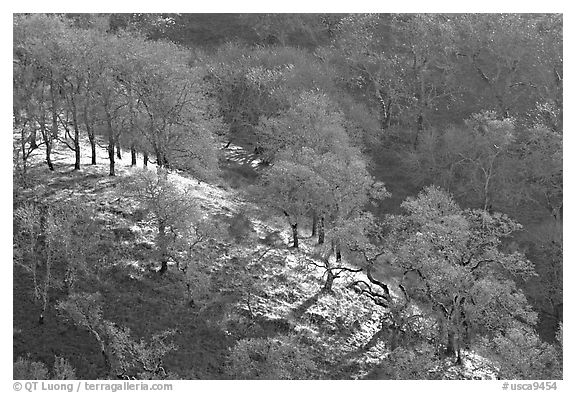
(287, 196)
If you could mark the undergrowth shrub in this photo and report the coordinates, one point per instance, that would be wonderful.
(25, 368)
(413, 363)
(241, 228)
(282, 357)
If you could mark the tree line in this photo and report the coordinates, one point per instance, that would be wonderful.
(71, 83)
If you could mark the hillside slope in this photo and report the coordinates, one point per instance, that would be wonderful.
(283, 295)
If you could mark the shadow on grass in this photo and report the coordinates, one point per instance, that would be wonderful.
(57, 336)
(301, 309)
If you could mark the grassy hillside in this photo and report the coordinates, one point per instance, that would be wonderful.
(285, 298)
(255, 287)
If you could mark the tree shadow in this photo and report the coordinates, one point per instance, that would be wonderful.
(301, 309)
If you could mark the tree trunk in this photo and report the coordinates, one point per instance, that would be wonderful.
(388, 116)
(487, 203)
(314, 223)
(33, 144)
(329, 281)
(163, 247)
(490, 83)
(77, 151)
(49, 156)
(111, 158)
(321, 231)
(295, 234)
(54, 112)
(133, 154)
(76, 139)
(48, 142)
(110, 142)
(44, 307)
(384, 107)
(54, 125)
(145, 159)
(451, 344)
(419, 129)
(93, 148)
(159, 160)
(91, 136)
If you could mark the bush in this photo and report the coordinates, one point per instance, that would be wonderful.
(271, 358)
(63, 369)
(25, 368)
(241, 228)
(273, 239)
(416, 363)
(520, 354)
(123, 233)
